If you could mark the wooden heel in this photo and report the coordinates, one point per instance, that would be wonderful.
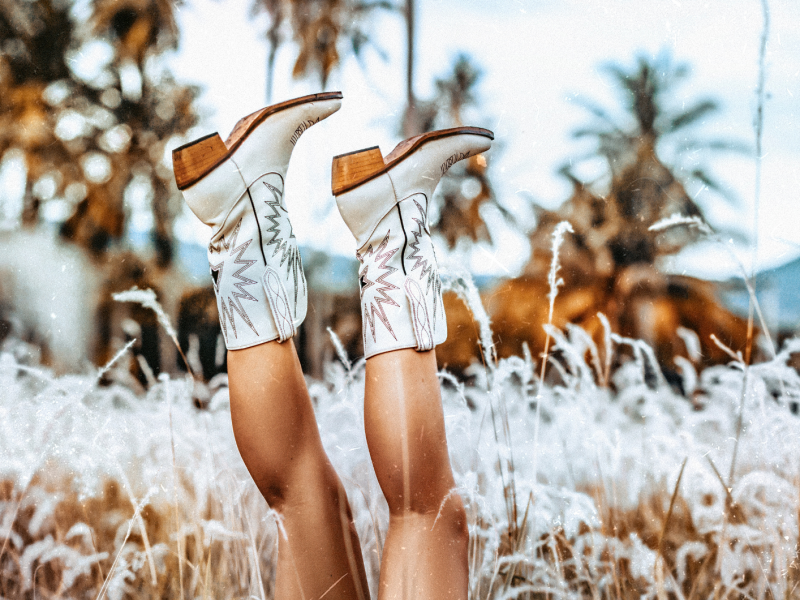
(348, 170)
(194, 160)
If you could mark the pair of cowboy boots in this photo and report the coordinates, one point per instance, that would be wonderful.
(236, 187)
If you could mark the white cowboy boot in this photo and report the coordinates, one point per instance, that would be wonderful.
(236, 187)
(385, 205)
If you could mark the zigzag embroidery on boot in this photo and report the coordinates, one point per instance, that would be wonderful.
(234, 304)
(419, 315)
(287, 247)
(384, 257)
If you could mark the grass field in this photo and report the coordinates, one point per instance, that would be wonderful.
(573, 490)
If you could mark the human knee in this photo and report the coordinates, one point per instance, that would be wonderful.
(425, 499)
(452, 518)
(447, 514)
(287, 481)
(274, 489)
(421, 487)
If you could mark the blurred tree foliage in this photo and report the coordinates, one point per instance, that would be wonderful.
(611, 261)
(653, 115)
(643, 188)
(322, 30)
(85, 96)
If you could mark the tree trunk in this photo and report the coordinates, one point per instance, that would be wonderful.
(410, 121)
(30, 206)
(162, 237)
(273, 39)
(270, 70)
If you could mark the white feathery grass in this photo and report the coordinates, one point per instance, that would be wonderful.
(688, 374)
(736, 356)
(341, 353)
(692, 342)
(552, 278)
(598, 449)
(113, 360)
(676, 219)
(458, 280)
(147, 298)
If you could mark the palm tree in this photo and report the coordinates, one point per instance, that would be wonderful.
(467, 187)
(648, 118)
(275, 11)
(644, 187)
(610, 264)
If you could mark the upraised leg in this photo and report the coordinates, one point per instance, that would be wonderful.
(277, 436)
(425, 553)
(385, 202)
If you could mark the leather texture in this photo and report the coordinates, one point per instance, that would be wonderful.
(401, 292)
(253, 256)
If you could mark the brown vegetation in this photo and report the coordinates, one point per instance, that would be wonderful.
(87, 141)
(610, 265)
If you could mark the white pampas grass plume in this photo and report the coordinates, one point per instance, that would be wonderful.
(147, 298)
(679, 219)
(458, 280)
(555, 283)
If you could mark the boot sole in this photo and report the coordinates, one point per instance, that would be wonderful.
(193, 161)
(352, 169)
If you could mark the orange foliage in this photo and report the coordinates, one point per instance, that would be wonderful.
(609, 265)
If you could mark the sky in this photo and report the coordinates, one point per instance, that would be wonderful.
(537, 57)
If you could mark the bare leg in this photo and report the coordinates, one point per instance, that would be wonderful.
(277, 436)
(425, 555)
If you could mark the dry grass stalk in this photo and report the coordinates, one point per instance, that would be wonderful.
(147, 298)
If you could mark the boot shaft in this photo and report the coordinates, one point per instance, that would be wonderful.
(401, 292)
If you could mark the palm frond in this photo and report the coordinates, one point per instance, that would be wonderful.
(616, 71)
(691, 115)
(367, 7)
(717, 186)
(583, 132)
(598, 111)
(716, 145)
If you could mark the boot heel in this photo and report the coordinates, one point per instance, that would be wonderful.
(192, 161)
(352, 168)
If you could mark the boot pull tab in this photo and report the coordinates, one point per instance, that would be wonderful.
(420, 319)
(278, 301)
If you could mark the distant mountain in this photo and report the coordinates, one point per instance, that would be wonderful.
(778, 293)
